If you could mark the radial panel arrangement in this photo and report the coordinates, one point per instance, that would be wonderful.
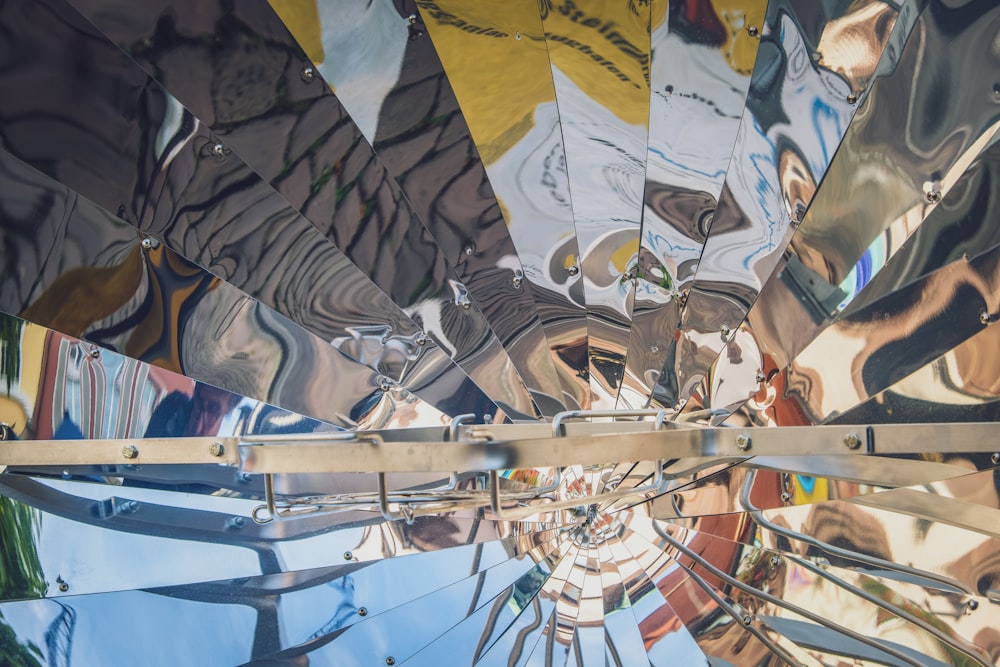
(533, 332)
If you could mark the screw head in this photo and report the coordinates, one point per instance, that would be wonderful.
(753, 31)
(362, 611)
(130, 452)
(743, 442)
(421, 339)
(852, 99)
(775, 560)
(984, 317)
(573, 270)
(308, 74)
(216, 449)
(933, 196)
(852, 440)
(348, 555)
(785, 497)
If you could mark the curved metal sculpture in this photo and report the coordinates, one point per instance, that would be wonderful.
(528, 332)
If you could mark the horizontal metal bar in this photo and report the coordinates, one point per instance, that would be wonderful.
(496, 449)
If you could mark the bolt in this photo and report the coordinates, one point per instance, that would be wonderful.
(128, 507)
(308, 74)
(130, 452)
(348, 555)
(775, 560)
(390, 660)
(362, 611)
(743, 442)
(216, 449)
(995, 458)
(817, 56)
(244, 477)
(573, 270)
(219, 151)
(147, 244)
(236, 523)
(852, 99)
(984, 317)
(852, 440)
(753, 31)
(748, 619)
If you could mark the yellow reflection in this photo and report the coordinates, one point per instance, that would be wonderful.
(301, 17)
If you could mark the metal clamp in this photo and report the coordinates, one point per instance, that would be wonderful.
(557, 432)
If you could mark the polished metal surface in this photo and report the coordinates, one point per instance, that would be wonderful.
(326, 171)
(600, 56)
(424, 332)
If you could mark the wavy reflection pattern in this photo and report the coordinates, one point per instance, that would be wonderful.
(273, 219)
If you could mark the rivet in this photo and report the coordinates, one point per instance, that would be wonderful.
(412, 18)
(63, 586)
(517, 35)
(517, 282)
(573, 270)
(390, 660)
(384, 384)
(308, 74)
(775, 560)
(348, 555)
(785, 497)
(933, 196)
(996, 92)
(852, 440)
(984, 317)
(972, 604)
(362, 611)
(817, 56)
(654, 349)
(147, 243)
(995, 458)
(748, 619)
(129, 507)
(743, 442)
(852, 99)
(760, 377)
(236, 523)
(216, 449)
(753, 31)
(130, 452)
(487, 419)
(219, 151)
(94, 352)
(466, 305)
(669, 90)
(421, 339)
(469, 250)
(725, 331)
